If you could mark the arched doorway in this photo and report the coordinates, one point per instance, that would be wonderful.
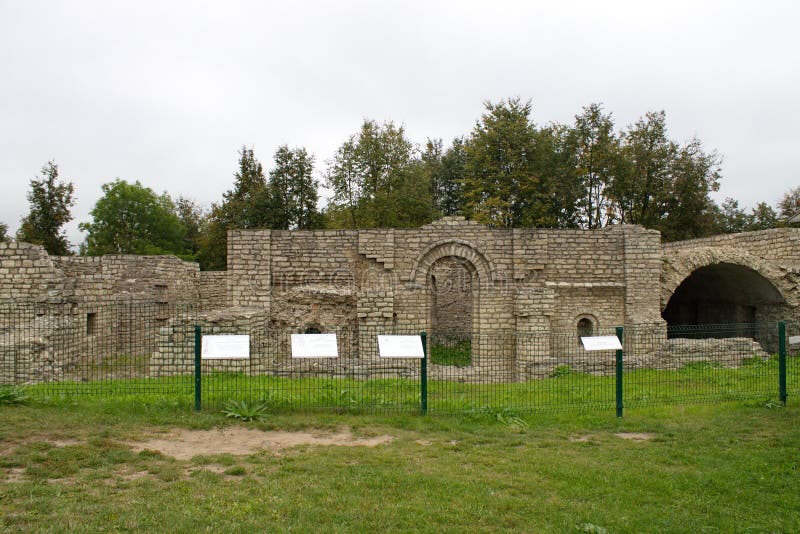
(723, 294)
(452, 280)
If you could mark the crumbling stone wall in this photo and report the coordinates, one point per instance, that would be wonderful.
(520, 293)
(60, 317)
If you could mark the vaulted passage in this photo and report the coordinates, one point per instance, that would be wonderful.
(724, 293)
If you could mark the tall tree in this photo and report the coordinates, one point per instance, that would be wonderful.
(689, 210)
(732, 219)
(372, 174)
(245, 206)
(513, 171)
(3, 232)
(662, 185)
(499, 164)
(291, 194)
(789, 204)
(446, 171)
(763, 217)
(50, 202)
(133, 219)
(192, 217)
(596, 149)
(555, 163)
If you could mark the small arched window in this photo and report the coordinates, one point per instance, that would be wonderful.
(312, 329)
(585, 328)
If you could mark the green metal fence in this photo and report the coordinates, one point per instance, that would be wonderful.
(148, 349)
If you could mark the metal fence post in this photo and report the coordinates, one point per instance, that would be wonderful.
(782, 361)
(198, 369)
(423, 375)
(619, 374)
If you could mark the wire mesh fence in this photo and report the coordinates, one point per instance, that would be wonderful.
(64, 350)
(141, 349)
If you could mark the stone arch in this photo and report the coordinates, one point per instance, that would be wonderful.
(725, 286)
(586, 324)
(679, 266)
(457, 248)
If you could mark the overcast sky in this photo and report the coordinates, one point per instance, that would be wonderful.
(166, 92)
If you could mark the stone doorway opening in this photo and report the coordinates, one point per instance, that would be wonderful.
(453, 281)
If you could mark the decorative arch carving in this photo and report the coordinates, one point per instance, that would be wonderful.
(484, 267)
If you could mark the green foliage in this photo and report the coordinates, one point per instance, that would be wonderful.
(12, 395)
(291, 195)
(505, 416)
(561, 371)
(246, 411)
(499, 168)
(133, 219)
(50, 202)
(377, 181)
(662, 185)
(518, 175)
(236, 471)
(596, 149)
(243, 207)
(288, 200)
(446, 171)
(789, 205)
(732, 219)
(192, 217)
(3, 232)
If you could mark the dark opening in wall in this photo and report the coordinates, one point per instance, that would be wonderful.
(720, 294)
(91, 323)
(585, 328)
(312, 329)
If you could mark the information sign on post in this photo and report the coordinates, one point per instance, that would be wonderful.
(591, 343)
(226, 347)
(314, 346)
(400, 347)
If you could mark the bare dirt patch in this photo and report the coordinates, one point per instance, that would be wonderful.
(15, 474)
(579, 439)
(635, 436)
(185, 444)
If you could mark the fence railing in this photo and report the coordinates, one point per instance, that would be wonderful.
(149, 349)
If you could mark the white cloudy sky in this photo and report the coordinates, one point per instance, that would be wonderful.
(166, 92)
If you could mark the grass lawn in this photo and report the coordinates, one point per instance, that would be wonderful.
(72, 465)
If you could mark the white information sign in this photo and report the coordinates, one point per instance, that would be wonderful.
(225, 347)
(601, 343)
(400, 347)
(794, 340)
(314, 346)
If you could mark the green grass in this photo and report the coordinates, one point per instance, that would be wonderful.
(457, 352)
(65, 466)
(565, 389)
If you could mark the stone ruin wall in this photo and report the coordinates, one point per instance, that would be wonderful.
(361, 283)
(56, 311)
(529, 288)
(774, 254)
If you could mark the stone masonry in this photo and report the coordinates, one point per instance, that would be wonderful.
(517, 295)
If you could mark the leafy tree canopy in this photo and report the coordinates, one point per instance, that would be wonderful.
(378, 180)
(133, 219)
(50, 201)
